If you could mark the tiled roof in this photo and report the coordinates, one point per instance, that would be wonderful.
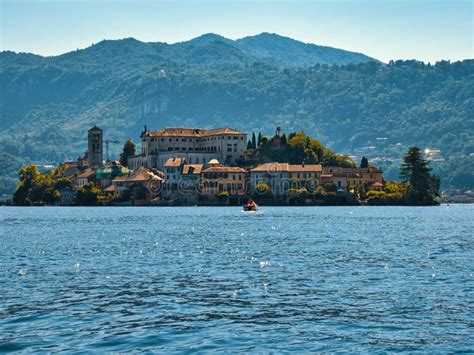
(142, 174)
(377, 184)
(305, 168)
(192, 169)
(224, 169)
(270, 167)
(278, 167)
(86, 174)
(370, 169)
(174, 162)
(192, 132)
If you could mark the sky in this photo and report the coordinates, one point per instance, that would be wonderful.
(428, 30)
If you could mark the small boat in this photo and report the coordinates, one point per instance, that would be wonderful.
(250, 206)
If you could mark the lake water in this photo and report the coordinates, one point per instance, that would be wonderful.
(358, 279)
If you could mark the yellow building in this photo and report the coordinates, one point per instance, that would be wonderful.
(346, 177)
(305, 176)
(217, 178)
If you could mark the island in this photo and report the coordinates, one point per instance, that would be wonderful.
(222, 167)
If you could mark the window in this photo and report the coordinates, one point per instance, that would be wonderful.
(183, 140)
(229, 149)
(236, 137)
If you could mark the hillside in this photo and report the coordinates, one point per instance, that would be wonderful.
(47, 103)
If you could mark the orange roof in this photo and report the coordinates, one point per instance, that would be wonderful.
(305, 168)
(140, 175)
(224, 169)
(111, 188)
(192, 169)
(277, 167)
(377, 184)
(86, 174)
(370, 169)
(270, 167)
(174, 162)
(192, 132)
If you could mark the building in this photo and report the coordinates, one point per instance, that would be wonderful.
(143, 178)
(172, 170)
(280, 177)
(85, 177)
(306, 176)
(217, 178)
(196, 145)
(105, 175)
(346, 177)
(95, 147)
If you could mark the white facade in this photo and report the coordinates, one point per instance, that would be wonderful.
(197, 146)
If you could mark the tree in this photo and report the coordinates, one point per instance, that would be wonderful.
(87, 195)
(249, 145)
(263, 190)
(254, 141)
(422, 186)
(128, 151)
(283, 140)
(364, 162)
(277, 131)
(30, 178)
(259, 140)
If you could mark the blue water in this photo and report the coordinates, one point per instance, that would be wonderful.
(358, 279)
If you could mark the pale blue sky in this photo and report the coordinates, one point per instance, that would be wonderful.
(385, 29)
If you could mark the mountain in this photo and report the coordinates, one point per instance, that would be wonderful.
(285, 52)
(48, 103)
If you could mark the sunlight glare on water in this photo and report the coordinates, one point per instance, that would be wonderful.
(286, 279)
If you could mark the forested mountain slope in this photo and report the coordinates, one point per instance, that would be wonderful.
(48, 103)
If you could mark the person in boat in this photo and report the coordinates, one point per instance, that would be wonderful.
(251, 205)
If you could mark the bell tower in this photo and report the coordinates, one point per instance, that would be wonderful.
(95, 146)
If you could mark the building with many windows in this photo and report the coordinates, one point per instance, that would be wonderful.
(196, 145)
(280, 177)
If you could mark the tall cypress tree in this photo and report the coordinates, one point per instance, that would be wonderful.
(128, 151)
(259, 141)
(254, 141)
(364, 162)
(423, 187)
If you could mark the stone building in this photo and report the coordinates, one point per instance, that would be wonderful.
(347, 177)
(95, 146)
(280, 177)
(197, 146)
(217, 178)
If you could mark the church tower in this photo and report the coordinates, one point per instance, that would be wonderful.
(94, 155)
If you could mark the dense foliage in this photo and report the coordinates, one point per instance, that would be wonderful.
(423, 187)
(297, 149)
(128, 151)
(35, 187)
(49, 103)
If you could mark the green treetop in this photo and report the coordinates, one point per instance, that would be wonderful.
(415, 171)
(128, 151)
